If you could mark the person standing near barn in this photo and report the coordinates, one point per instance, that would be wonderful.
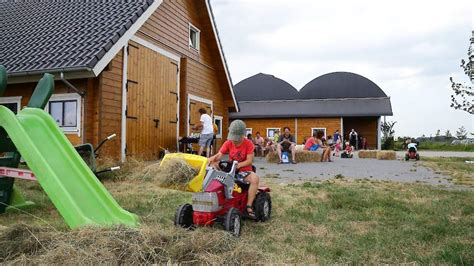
(336, 136)
(353, 138)
(207, 131)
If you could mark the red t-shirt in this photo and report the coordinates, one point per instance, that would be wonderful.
(238, 153)
(309, 143)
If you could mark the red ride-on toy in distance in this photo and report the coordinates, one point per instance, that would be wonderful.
(412, 154)
(223, 201)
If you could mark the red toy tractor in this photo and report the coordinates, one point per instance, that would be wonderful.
(223, 201)
(412, 154)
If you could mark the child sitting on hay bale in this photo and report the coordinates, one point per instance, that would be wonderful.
(315, 144)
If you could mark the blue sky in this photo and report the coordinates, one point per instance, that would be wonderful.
(409, 48)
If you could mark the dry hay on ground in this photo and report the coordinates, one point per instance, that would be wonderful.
(23, 244)
(364, 154)
(173, 173)
(300, 157)
(386, 155)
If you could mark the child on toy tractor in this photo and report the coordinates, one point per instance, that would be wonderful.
(412, 151)
(240, 149)
(347, 153)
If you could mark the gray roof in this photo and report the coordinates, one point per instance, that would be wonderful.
(261, 87)
(67, 35)
(314, 108)
(340, 85)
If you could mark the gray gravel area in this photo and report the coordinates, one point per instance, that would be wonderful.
(371, 169)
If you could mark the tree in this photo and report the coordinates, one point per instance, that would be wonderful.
(437, 134)
(463, 96)
(387, 128)
(461, 133)
(448, 134)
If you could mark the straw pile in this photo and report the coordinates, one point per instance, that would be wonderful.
(22, 244)
(386, 155)
(175, 173)
(365, 154)
(300, 157)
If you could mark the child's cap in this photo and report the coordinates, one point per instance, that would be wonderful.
(236, 130)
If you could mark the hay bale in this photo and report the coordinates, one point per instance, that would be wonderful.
(299, 147)
(365, 154)
(174, 172)
(386, 155)
(300, 157)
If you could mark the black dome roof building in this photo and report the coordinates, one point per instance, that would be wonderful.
(334, 101)
(263, 87)
(338, 85)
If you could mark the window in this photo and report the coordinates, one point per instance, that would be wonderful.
(316, 129)
(271, 133)
(66, 111)
(12, 103)
(218, 122)
(248, 131)
(194, 36)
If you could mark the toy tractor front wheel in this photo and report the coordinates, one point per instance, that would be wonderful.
(233, 222)
(263, 206)
(184, 216)
(407, 157)
(417, 157)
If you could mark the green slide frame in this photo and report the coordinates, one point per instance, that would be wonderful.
(72, 187)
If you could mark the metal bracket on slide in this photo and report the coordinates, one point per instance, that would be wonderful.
(17, 173)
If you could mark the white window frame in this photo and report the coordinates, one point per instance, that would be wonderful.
(195, 98)
(69, 97)
(323, 128)
(248, 130)
(198, 37)
(221, 119)
(271, 128)
(12, 99)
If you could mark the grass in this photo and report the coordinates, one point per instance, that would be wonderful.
(336, 221)
(461, 172)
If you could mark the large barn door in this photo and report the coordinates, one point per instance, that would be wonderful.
(151, 103)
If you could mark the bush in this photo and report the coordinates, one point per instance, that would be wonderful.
(388, 144)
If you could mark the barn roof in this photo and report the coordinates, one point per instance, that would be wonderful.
(340, 85)
(53, 36)
(75, 37)
(261, 87)
(337, 94)
(314, 108)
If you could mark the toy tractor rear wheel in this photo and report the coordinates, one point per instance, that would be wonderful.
(407, 157)
(417, 157)
(233, 222)
(184, 216)
(263, 206)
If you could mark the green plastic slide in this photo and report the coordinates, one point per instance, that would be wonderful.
(72, 187)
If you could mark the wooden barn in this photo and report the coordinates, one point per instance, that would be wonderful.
(334, 101)
(140, 69)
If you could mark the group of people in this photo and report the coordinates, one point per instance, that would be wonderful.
(326, 147)
(357, 141)
(280, 143)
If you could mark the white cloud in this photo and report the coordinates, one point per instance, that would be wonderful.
(409, 48)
